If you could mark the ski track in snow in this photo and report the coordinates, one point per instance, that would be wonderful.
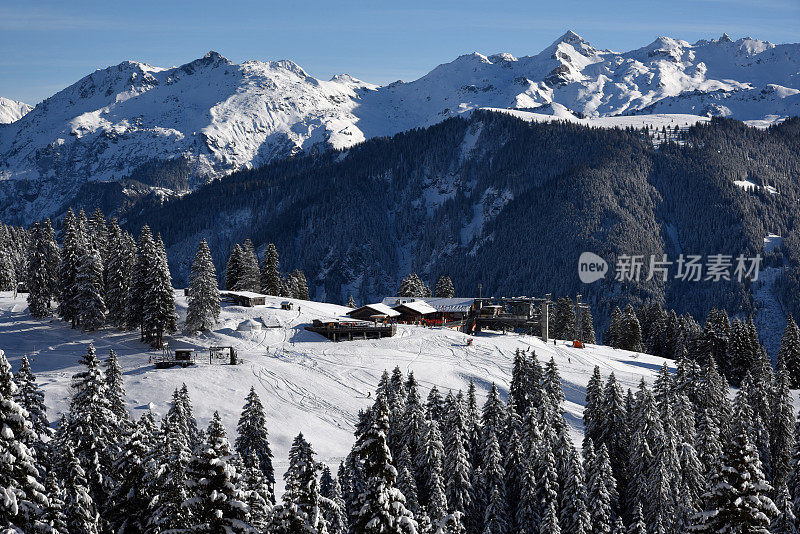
(306, 382)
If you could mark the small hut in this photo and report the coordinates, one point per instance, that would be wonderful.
(414, 312)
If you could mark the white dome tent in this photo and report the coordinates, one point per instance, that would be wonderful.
(249, 325)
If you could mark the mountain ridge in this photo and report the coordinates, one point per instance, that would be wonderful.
(222, 116)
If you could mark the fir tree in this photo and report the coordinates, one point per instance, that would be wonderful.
(249, 279)
(254, 439)
(350, 302)
(81, 514)
(212, 482)
(166, 511)
(204, 299)
(37, 276)
(781, 430)
(69, 267)
(444, 287)
(31, 398)
(271, 283)
(132, 494)
(601, 490)
(22, 495)
(92, 430)
(116, 388)
(301, 291)
(257, 492)
(493, 488)
(789, 352)
(160, 316)
(233, 269)
(737, 499)
(119, 279)
(593, 408)
(458, 485)
(411, 286)
(381, 507)
(90, 289)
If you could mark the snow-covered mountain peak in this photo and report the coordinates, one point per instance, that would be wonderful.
(223, 116)
(12, 110)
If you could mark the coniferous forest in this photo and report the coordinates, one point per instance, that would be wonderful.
(494, 200)
(678, 456)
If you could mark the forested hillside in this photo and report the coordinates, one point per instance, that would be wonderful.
(492, 199)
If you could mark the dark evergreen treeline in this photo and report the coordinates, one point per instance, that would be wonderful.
(673, 458)
(513, 213)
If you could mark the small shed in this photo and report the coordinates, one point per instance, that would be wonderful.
(286, 305)
(416, 311)
(373, 311)
(249, 325)
(244, 298)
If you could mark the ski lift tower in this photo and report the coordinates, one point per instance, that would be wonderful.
(580, 307)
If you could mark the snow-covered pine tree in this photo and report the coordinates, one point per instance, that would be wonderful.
(31, 398)
(98, 234)
(574, 516)
(737, 498)
(550, 523)
(781, 430)
(789, 352)
(37, 281)
(22, 497)
(90, 289)
(233, 269)
(166, 511)
(492, 486)
(159, 310)
(253, 438)
(69, 267)
(601, 492)
(301, 292)
(92, 429)
(593, 408)
(333, 509)
(258, 494)
(249, 279)
(381, 506)
(351, 303)
(434, 405)
(785, 522)
(119, 279)
(116, 388)
(458, 485)
(444, 287)
(54, 519)
(80, 511)
(140, 293)
(613, 335)
(614, 432)
(204, 299)
(413, 425)
(131, 496)
(638, 526)
(630, 331)
(214, 499)
(412, 286)
(8, 273)
(563, 320)
(271, 280)
(431, 486)
(406, 482)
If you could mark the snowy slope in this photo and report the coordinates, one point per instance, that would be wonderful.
(223, 116)
(11, 110)
(307, 383)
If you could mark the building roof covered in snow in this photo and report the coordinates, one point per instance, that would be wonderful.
(249, 324)
(441, 304)
(373, 309)
(417, 306)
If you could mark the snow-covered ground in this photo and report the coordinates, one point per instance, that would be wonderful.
(306, 382)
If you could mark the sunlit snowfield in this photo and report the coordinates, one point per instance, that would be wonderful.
(307, 383)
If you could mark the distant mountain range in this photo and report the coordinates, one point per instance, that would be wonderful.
(107, 137)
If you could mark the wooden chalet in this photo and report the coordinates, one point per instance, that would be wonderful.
(374, 312)
(448, 310)
(415, 312)
(243, 298)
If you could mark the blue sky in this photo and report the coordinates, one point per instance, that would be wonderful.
(45, 46)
